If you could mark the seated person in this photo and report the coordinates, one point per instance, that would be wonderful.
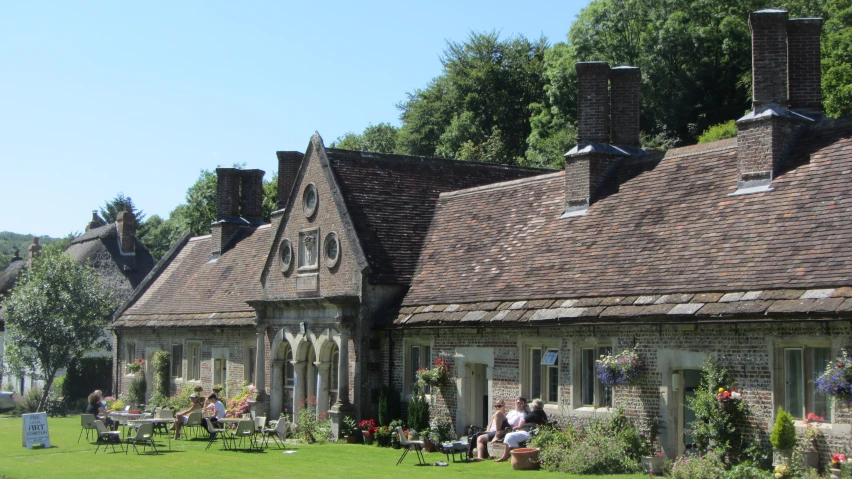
(181, 417)
(100, 412)
(516, 415)
(513, 440)
(214, 409)
(498, 422)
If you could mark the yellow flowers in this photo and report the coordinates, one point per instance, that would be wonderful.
(721, 390)
(781, 472)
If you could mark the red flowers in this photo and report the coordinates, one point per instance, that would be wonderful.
(368, 427)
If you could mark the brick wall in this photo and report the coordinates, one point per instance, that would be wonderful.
(251, 195)
(592, 102)
(769, 57)
(803, 60)
(288, 168)
(624, 91)
(762, 145)
(746, 350)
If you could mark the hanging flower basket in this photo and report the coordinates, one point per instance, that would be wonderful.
(620, 369)
(135, 366)
(729, 399)
(836, 380)
(438, 376)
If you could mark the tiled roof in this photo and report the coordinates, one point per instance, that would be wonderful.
(662, 226)
(391, 199)
(192, 291)
(742, 305)
(9, 276)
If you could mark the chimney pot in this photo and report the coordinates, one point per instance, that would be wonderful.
(624, 87)
(125, 223)
(592, 102)
(227, 193)
(251, 196)
(803, 65)
(769, 57)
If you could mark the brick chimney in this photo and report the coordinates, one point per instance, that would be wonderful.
(96, 221)
(125, 222)
(595, 157)
(766, 135)
(592, 102)
(288, 167)
(228, 219)
(251, 196)
(804, 70)
(624, 90)
(32, 252)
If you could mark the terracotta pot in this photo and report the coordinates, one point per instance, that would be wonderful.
(525, 459)
(429, 446)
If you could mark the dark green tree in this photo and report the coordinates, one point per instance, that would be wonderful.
(381, 138)
(837, 58)
(110, 210)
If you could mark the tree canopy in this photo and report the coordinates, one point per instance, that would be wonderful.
(56, 312)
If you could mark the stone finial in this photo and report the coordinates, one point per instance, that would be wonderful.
(33, 251)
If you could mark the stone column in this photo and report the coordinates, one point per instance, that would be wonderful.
(260, 364)
(299, 383)
(322, 386)
(276, 394)
(342, 407)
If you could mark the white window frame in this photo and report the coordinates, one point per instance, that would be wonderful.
(808, 374)
(529, 367)
(193, 364)
(425, 359)
(602, 397)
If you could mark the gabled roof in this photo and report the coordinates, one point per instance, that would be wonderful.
(190, 290)
(663, 225)
(391, 200)
(9, 276)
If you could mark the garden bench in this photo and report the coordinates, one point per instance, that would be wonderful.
(57, 407)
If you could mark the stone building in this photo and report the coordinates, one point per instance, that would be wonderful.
(375, 265)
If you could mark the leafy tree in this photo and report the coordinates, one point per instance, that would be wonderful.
(478, 109)
(381, 138)
(159, 235)
(837, 58)
(56, 313)
(719, 132)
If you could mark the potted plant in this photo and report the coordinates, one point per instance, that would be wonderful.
(429, 440)
(349, 430)
(135, 366)
(368, 430)
(438, 375)
(396, 423)
(620, 369)
(837, 462)
(729, 399)
(441, 430)
(783, 438)
(383, 436)
(810, 440)
(653, 463)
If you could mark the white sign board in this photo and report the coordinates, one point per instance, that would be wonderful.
(35, 430)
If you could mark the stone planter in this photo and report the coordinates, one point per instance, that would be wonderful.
(836, 473)
(781, 457)
(653, 464)
(810, 459)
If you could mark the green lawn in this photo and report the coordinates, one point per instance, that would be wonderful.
(68, 459)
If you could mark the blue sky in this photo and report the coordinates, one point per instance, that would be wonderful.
(98, 98)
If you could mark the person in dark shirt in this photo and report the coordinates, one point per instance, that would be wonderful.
(96, 408)
(536, 417)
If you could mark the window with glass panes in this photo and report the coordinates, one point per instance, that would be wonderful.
(543, 374)
(177, 360)
(289, 380)
(129, 352)
(592, 392)
(333, 384)
(419, 356)
(193, 367)
(802, 365)
(251, 357)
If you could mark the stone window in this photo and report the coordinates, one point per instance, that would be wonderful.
(333, 383)
(418, 355)
(310, 199)
(796, 368)
(332, 249)
(193, 367)
(177, 360)
(540, 377)
(285, 255)
(289, 380)
(590, 392)
(129, 352)
(308, 249)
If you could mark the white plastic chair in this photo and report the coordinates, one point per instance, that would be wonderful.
(87, 422)
(245, 429)
(407, 445)
(277, 433)
(106, 437)
(145, 436)
(214, 433)
(193, 422)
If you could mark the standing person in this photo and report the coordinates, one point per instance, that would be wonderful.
(498, 422)
(100, 412)
(181, 417)
(215, 408)
(514, 439)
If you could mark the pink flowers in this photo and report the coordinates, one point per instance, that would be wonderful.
(729, 395)
(837, 459)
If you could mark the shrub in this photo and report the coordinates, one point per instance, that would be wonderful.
(313, 428)
(418, 413)
(609, 445)
(60, 387)
(29, 401)
(747, 470)
(713, 424)
(162, 376)
(784, 432)
(721, 131)
(84, 375)
(136, 391)
(239, 404)
(390, 405)
(709, 466)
